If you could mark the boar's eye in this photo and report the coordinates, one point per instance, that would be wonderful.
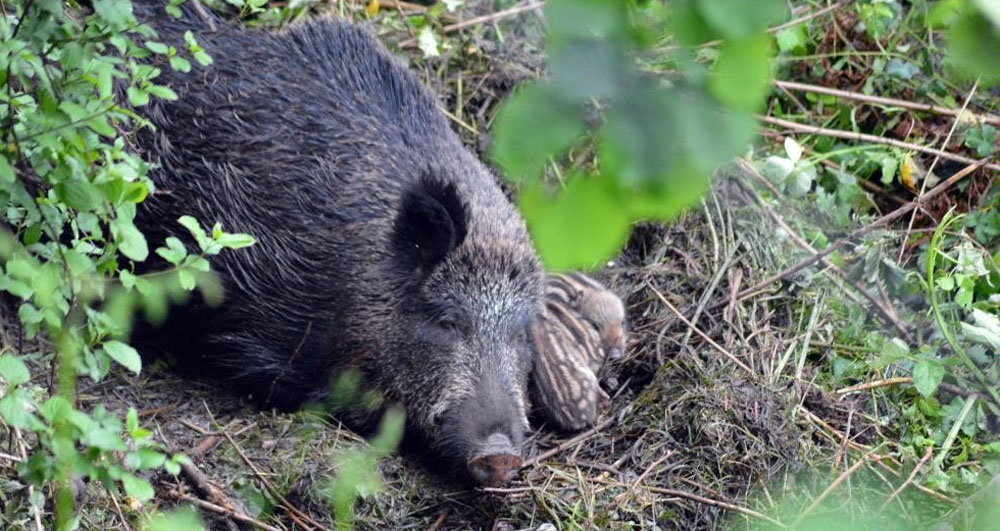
(450, 324)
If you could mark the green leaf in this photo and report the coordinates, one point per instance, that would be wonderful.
(964, 298)
(174, 252)
(428, 43)
(145, 459)
(132, 243)
(124, 354)
(29, 314)
(132, 421)
(100, 126)
(127, 278)
(586, 69)
(580, 227)
(13, 370)
(137, 97)
(137, 488)
(117, 13)
(157, 47)
(180, 64)
(55, 409)
(742, 73)
(19, 289)
(738, 19)
(982, 139)
(892, 351)
(927, 376)
(195, 229)
(163, 92)
(600, 19)
(80, 194)
(181, 518)
(639, 140)
(687, 24)
(531, 127)
(978, 354)
(793, 39)
(172, 468)
(973, 43)
(135, 192)
(901, 69)
(946, 283)
(985, 330)
(990, 9)
(6, 171)
(186, 279)
(236, 240)
(16, 409)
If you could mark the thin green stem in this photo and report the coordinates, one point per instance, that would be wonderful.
(949, 336)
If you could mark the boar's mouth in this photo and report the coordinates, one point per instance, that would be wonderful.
(496, 463)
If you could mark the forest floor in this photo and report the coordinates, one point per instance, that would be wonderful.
(737, 404)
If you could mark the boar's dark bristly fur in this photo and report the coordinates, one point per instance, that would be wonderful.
(383, 244)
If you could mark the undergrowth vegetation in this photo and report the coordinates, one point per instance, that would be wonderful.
(862, 322)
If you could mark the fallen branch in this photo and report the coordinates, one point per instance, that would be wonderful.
(717, 503)
(880, 100)
(293, 510)
(410, 43)
(228, 512)
(909, 479)
(900, 380)
(829, 490)
(205, 488)
(864, 137)
(930, 171)
(874, 385)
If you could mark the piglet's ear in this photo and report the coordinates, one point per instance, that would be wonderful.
(432, 221)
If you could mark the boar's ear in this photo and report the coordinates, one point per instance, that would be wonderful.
(432, 221)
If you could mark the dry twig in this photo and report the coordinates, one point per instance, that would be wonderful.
(829, 490)
(228, 512)
(880, 100)
(930, 171)
(410, 43)
(717, 503)
(864, 137)
(566, 444)
(292, 509)
(909, 479)
(874, 385)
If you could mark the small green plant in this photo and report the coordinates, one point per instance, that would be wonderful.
(630, 146)
(70, 189)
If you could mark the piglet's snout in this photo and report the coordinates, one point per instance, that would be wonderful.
(496, 463)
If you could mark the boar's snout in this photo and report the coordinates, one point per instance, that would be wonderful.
(496, 463)
(487, 428)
